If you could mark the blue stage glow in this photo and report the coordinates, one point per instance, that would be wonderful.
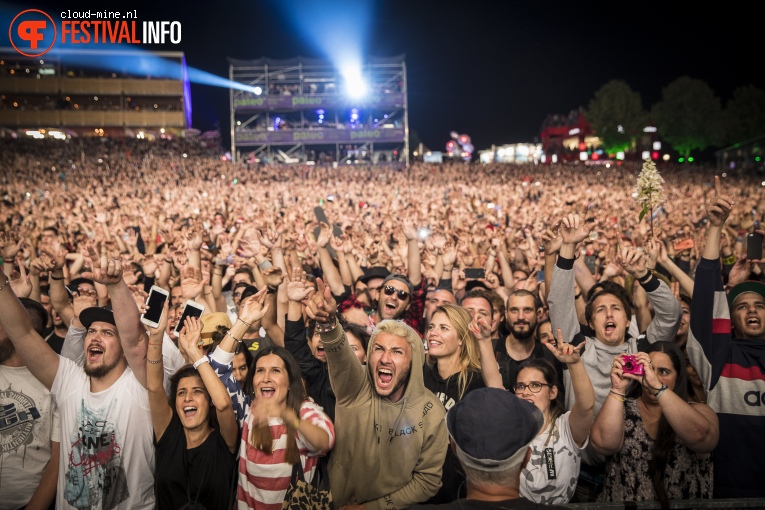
(339, 29)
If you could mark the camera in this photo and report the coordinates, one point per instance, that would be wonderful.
(630, 365)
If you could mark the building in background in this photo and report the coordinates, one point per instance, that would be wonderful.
(114, 93)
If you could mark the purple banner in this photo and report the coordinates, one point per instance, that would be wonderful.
(319, 136)
(287, 103)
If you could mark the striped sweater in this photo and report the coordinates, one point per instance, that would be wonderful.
(264, 478)
(733, 373)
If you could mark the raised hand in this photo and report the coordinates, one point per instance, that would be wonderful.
(106, 271)
(192, 284)
(573, 230)
(10, 244)
(321, 306)
(274, 276)
(632, 260)
(296, 288)
(409, 229)
(252, 309)
(720, 209)
(324, 235)
(565, 352)
(87, 298)
(189, 338)
(552, 239)
(271, 238)
(20, 283)
(480, 328)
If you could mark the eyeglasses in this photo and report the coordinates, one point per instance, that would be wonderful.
(389, 291)
(533, 386)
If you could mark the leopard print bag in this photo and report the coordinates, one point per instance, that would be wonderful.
(302, 495)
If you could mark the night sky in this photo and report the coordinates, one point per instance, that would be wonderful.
(491, 69)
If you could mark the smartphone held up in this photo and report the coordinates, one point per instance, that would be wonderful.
(155, 304)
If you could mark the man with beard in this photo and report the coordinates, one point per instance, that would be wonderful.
(520, 344)
(383, 410)
(29, 427)
(106, 458)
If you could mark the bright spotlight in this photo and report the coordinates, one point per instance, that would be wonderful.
(354, 83)
(258, 91)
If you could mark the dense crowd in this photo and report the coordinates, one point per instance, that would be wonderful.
(358, 320)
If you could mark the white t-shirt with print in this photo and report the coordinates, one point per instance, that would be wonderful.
(107, 451)
(28, 424)
(537, 483)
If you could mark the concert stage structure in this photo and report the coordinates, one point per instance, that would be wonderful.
(303, 110)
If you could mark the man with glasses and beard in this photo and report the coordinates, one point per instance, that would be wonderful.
(520, 344)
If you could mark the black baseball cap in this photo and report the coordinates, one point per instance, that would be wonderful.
(97, 314)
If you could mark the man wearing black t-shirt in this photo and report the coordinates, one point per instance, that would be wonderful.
(520, 343)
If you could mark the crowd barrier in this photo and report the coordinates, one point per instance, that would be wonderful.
(705, 504)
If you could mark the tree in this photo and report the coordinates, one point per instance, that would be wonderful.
(744, 115)
(688, 116)
(616, 115)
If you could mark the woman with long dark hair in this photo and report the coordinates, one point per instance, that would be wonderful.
(281, 427)
(657, 444)
(195, 432)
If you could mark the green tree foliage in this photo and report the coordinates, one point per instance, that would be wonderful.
(616, 114)
(744, 115)
(688, 116)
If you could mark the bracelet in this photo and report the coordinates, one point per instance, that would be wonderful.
(620, 399)
(729, 260)
(271, 290)
(244, 322)
(232, 336)
(169, 261)
(617, 393)
(645, 278)
(56, 277)
(155, 362)
(265, 264)
(326, 327)
(200, 361)
(7, 281)
(661, 390)
(577, 296)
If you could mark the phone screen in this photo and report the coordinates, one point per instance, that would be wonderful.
(156, 304)
(475, 273)
(754, 246)
(541, 275)
(190, 310)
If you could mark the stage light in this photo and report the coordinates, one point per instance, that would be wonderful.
(258, 91)
(354, 83)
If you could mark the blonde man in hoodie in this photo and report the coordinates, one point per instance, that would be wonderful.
(391, 434)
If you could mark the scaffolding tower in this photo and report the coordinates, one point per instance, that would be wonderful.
(301, 110)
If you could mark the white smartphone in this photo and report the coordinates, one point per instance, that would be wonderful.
(155, 303)
(190, 309)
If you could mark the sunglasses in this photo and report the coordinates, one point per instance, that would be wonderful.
(389, 291)
(534, 387)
